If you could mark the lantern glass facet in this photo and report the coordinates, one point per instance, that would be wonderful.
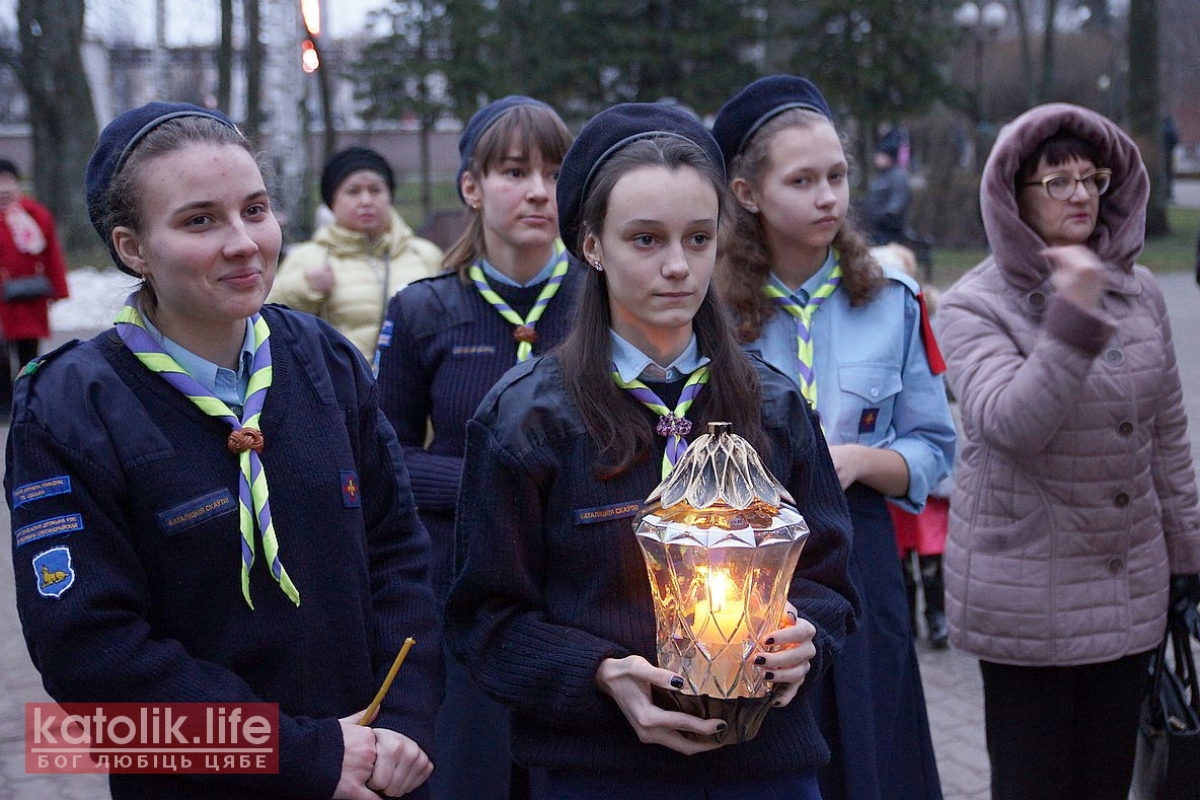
(720, 558)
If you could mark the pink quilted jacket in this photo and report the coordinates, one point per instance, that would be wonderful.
(1075, 496)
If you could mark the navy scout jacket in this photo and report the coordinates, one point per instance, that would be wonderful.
(131, 491)
(551, 580)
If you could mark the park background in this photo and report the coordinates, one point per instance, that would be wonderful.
(402, 76)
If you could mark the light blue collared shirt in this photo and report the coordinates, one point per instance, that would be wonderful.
(226, 385)
(779, 350)
(874, 384)
(495, 275)
(631, 363)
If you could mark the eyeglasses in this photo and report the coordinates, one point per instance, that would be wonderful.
(1062, 187)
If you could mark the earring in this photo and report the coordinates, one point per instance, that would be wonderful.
(598, 266)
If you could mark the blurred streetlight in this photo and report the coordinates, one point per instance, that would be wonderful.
(982, 23)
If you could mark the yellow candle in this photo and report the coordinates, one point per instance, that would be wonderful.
(719, 619)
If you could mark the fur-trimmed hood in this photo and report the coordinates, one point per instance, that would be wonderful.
(1121, 225)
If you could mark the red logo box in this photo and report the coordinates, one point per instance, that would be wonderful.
(152, 738)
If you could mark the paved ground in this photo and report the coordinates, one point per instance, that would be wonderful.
(952, 684)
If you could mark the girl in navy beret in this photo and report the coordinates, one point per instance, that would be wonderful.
(506, 295)
(551, 610)
(207, 503)
(809, 298)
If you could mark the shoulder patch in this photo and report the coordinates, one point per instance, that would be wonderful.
(385, 334)
(46, 528)
(27, 493)
(54, 572)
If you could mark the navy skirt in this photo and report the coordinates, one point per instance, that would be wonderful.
(870, 705)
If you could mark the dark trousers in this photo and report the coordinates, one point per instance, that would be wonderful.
(26, 350)
(1063, 732)
(580, 785)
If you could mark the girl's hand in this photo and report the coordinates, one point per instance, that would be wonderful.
(400, 764)
(792, 657)
(358, 760)
(849, 460)
(378, 761)
(628, 681)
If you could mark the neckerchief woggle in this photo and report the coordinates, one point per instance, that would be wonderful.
(246, 440)
(803, 315)
(672, 423)
(524, 332)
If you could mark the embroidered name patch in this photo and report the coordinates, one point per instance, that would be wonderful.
(473, 350)
(193, 512)
(55, 526)
(866, 423)
(60, 484)
(587, 516)
(350, 493)
(54, 572)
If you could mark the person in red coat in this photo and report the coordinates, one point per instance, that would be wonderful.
(28, 246)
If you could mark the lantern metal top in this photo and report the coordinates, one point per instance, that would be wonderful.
(719, 466)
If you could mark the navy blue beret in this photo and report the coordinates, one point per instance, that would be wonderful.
(605, 134)
(748, 110)
(480, 121)
(344, 163)
(9, 168)
(116, 142)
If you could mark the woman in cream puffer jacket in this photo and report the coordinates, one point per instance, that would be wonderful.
(1075, 499)
(349, 270)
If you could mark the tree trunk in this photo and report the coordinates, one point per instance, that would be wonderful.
(1049, 38)
(61, 115)
(1145, 107)
(225, 59)
(329, 136)
(1026, 52)
(256, 57)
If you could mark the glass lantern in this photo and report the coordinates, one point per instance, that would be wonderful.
(721, 541)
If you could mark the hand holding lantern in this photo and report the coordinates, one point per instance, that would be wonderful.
(720, 544)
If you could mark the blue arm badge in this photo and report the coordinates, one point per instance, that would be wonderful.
(54, 572)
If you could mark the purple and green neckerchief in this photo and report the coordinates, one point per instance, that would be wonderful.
(672, 423)
(245, 440)
(524, 333)
(804, 315)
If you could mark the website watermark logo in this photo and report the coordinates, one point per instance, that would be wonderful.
(152, 738)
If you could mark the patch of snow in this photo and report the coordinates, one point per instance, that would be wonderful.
(96, 296)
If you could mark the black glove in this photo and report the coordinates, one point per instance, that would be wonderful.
(1185, 597)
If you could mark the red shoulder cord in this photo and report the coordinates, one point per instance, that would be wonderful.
(937, 364)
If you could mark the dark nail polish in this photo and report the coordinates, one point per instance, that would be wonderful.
(771, 640)
(769, 676)
(760, 660)
(721, 726)
(677, 682)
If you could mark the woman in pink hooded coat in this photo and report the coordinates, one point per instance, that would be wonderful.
(1074, 514)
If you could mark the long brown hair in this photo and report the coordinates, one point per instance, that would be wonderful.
(617, 422)
(532, 128)
(744, 265)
